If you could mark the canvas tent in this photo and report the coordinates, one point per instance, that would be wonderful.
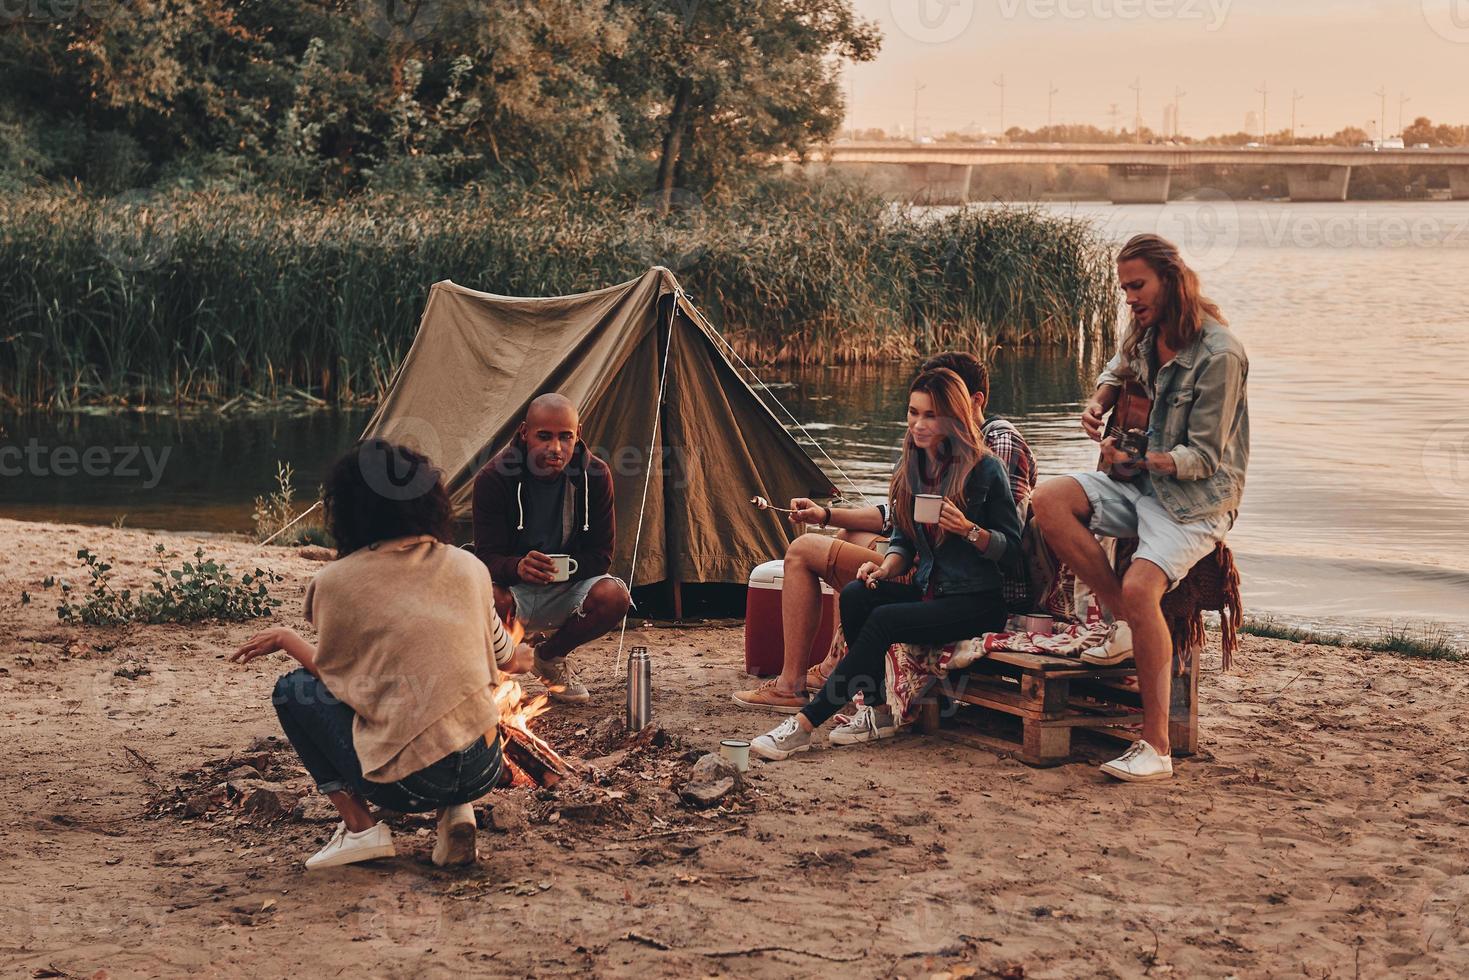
(479, 359)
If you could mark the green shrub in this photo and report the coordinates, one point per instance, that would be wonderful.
(198, 590)
(276, 510)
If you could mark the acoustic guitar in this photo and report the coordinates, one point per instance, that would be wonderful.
(1128, 423)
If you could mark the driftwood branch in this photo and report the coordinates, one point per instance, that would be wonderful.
(725, 954)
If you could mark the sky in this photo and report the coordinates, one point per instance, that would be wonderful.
(1335, 54)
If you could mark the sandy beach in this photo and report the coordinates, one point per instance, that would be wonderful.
(1319, 831)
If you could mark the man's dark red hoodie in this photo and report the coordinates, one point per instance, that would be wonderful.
(589, 522)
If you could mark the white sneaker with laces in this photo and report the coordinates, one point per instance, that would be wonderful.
(1117, 648)
(782, 741)
(869, 725)
(1140, 764)
(349, 847)
(455, 842)
(560, 680)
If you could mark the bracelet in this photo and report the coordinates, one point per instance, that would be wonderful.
(827, 519)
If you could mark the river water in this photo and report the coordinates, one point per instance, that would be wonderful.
(1355, 315)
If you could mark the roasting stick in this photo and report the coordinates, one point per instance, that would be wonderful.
(762, 504)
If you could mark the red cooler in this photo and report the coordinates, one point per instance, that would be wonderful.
(764, 640)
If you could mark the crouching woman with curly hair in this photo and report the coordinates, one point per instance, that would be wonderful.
(393, 706)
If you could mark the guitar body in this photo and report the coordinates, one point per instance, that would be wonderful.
(1129, 418)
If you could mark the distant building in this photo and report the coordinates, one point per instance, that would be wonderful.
(1252, 122)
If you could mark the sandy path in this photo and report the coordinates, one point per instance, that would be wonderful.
(1320, 832)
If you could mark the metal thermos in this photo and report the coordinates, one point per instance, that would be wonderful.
(639, 689)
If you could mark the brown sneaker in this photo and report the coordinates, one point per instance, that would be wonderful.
(767, 697)
(816, 678)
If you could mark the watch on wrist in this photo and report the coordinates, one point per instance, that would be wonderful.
(973, 536)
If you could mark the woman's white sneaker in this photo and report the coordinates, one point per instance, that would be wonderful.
(455, 841)
(868, 725)
(782, 741)
(349, 847)
(1117, 648)
(1140, 764)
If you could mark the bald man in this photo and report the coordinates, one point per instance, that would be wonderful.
(542, 503)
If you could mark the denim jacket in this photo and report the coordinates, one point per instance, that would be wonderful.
(960, 567)
(1200, 417)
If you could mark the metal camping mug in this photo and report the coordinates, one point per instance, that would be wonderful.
(639, 689)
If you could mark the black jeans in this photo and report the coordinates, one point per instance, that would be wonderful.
(875, 619)
(319, 727)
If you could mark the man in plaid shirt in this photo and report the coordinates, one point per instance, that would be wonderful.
(814, 558)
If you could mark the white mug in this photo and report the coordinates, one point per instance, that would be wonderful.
(927, 507)
(566, 567)
(737, 751)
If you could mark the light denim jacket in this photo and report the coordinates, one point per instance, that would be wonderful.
(1200, 417)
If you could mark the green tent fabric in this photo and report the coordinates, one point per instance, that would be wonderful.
(479, 359)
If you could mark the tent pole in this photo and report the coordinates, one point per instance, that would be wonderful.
(678, 602)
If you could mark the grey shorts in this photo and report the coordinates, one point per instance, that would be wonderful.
(1129, 510)
(545, 607)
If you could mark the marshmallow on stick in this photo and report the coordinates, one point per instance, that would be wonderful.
(762, 504)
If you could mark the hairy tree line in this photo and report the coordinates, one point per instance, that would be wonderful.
(325, 97)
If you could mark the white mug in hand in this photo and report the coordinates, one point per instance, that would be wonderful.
(566, 567)
(927, 507)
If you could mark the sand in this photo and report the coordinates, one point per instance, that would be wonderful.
(1319, 832)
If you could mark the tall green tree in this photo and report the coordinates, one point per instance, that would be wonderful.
(710, 87)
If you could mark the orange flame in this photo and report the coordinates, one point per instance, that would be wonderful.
(517, 713)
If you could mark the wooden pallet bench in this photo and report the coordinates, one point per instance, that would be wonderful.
(1052, 696)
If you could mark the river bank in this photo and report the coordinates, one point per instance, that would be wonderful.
(1317, 832)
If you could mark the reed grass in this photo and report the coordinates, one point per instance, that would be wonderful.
(1429, 643)
(210, 297)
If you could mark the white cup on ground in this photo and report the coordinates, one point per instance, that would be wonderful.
(927, 507)
(737, 751)
(566, 567)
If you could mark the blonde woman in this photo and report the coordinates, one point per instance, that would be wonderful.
(1192, 476)
(957, 588)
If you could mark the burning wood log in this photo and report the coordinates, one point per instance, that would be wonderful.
(522, 753)
(527, 754)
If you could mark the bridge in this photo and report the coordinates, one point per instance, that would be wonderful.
(1137, 173)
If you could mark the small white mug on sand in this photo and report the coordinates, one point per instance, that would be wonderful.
(737, 751)
(566, 567)
(927, 507)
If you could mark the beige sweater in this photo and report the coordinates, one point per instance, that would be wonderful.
(408, 637)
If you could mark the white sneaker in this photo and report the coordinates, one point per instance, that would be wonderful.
(560, 680)
(1117, 648)
(349, 847)
(1140, 764)
(455, 842)
(782, 741)
(869, 725)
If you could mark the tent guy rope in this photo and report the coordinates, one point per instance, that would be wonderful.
(632, 575)
(766, 389)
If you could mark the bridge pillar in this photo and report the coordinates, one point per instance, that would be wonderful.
(1459, 183)
(1317, 182)
(1132, 183)
(939, 183)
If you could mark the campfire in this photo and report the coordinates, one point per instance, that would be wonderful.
(529, 759)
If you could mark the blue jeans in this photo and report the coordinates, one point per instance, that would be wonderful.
(319, 727)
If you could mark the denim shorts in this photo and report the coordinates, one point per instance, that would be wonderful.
(1130, 510)
(548, 607)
